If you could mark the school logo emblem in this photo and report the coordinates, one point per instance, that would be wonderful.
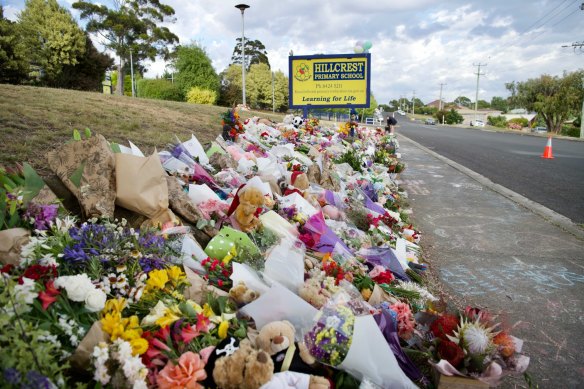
(302, 72)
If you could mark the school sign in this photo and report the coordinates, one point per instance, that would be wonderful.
(329, 81)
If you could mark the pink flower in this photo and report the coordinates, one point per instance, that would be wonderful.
(186, 374)
(188, 333)
(202, 323)
(405, 320)
(377, 270)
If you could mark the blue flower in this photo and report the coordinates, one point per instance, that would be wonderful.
(35, 380)
(12, 376)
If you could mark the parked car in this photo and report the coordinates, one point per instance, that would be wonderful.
(430, 121)
(399, 111)
(477, 123)
(539, 130)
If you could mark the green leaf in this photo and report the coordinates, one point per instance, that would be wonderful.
(87, 133)
(2, 209)
(76, 176)
(33, 183)
(76, 135)
(14, 219)
(187, 310)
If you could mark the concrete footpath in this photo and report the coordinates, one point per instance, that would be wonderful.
(489, 251)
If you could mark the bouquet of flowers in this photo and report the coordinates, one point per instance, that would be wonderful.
(214, 211)
(218, 273)
(330, 338)
(473, 344)
(232, 126)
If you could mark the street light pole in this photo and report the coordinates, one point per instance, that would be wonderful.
(273, 95)
(242, 8)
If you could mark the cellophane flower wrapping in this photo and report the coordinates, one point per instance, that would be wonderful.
(331, 336)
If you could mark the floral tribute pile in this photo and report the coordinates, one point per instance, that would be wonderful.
(292, 224)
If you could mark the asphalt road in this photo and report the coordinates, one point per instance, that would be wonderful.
(513, 161)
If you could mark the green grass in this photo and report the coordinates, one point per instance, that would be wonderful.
(35, 120)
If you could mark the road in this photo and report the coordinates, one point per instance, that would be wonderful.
(513, 161)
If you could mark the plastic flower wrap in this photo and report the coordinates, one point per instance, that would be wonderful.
(330, 338)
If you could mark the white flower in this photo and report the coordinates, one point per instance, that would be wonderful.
(101, 374)
(476, 340)
(133, 368)
(48, 260)
(333, 322)
(95, 300)
(25, 292)
(101, 353)
(124, 350)
(155, 313)
(77, 286)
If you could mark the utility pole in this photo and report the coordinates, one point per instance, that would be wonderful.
(479, 74)
(440, 101)
(414, 103)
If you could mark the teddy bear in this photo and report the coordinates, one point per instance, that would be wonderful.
(241, 294)
(277, 339)
(238, 365)
(313, 293)
(250, 199)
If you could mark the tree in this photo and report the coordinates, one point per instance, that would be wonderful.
(194, 69)
(230, 86)
(13, 63)
(555, 98)
(281, 91)
(51, 36)
(130, 26)
(394, 105)
(259, 86)
(255, 53)
(463, 101)
(499, 103)
(449, 117)
(89, 72)
(482, 104)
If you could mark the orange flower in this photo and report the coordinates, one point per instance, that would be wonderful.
(505, 344)
(189, 371)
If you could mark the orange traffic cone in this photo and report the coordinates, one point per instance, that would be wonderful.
(547, 151)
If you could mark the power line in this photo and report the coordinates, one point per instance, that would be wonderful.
(555, 24)
(543, 17)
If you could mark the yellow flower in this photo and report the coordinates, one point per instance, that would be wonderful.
(223, 327)
(366, 293)
(112, 325)
(175, 274)
(139, 346)
(230, 255)
(195, 306)
(207, 311)
(115, 305)
(157, 279)
(130, 334)
(169, 317)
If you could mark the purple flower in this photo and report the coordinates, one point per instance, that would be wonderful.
(12, 376)
(41, 215)
(151, 262)
(35, 380)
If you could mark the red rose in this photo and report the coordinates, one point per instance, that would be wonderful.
(384, 278)
(451, 352)
(444, 325)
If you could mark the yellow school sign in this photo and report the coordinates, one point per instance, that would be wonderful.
(330, 81)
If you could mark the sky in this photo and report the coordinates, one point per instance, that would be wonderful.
(417, 45)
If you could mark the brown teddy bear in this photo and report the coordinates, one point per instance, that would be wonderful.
(242, 295)
(250, 200)
(277, 339)
(245, 368)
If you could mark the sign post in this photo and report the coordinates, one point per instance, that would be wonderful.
(329, 81)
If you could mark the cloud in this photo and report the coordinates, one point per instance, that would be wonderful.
(417, 44)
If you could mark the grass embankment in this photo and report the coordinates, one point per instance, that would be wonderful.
(35, 120)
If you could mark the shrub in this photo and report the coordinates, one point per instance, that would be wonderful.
(449, 117)
(570, 130)
(159, 89)
(523, 122)
(198, 95)
(497, 121)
